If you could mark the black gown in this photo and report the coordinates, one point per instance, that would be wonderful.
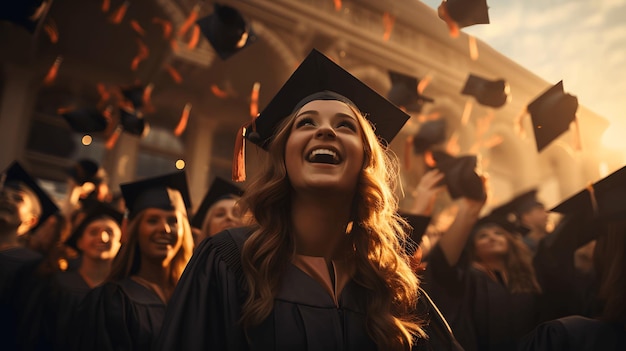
(482, 313)
(205, 308)
(122, 315)
(576, 333)
(17, 267)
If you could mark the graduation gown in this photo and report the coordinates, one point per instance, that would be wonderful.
(576, 333)
(122, 315)
(206, 307)
(17, 268)
(482, 313)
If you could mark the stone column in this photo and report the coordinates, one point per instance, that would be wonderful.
(198, 151)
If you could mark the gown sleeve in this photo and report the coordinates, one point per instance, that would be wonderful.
(204, 310)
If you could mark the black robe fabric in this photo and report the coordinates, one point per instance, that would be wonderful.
(205, 308)
(17, 273)
(482, 313)
(65, 293)
(576, 333)
(122, 315)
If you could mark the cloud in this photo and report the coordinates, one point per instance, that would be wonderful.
(556, 14)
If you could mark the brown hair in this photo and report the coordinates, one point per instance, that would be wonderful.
(381, 266)
(128, 260)
(519, 270)
(610, 260)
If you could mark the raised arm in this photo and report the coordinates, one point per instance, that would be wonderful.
(453, 241)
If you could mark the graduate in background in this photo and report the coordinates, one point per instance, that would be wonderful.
(324, 267)
(126, 312)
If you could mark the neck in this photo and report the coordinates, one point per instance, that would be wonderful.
(493, 264)
(319, 223)
(93, 271)
(8, 238)
(155, 272)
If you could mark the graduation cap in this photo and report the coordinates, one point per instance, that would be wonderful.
(85, 120)
(155, 192)
(95, 210)
(134, 94)
(220, 189)
(227, 31)
(404, 92)
(460, 176)
(466, 13)
(500, 220)
(86, 170)
(487, 92)
(430, 133)
(132, 122)
(16, 177)
(25, 13)
(552, 112)
(318, 74)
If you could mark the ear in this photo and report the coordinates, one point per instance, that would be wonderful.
(27, 224)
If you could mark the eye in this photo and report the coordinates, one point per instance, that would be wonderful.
(306, 121)
(347, 123)
(152, 220)
(172, 221)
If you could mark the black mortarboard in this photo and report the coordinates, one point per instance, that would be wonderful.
(430, 133)
(15, 175)
(468, 12)
(86, 170)
(403, 92)
(498, 219)
(460, 176)
(95, 210)
(318, 74)
(219, 189)
(154, 193)
(492, 93)
(85, 120)
(133, 123)
(227, 31)
(604, 199)
(21, 12)
(134, 94)
(552, 113)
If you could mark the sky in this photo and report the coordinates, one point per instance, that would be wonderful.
(582, 42)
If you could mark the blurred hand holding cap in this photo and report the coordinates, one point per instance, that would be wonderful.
(552, 112)
(460, 178)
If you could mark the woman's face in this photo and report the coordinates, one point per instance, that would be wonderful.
(490, 242)
(325, 147)
(160, 234)
(222, 215)
(101, 239)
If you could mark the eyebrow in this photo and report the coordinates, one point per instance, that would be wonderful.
(315, 112)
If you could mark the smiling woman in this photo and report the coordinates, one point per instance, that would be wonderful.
(127, 311)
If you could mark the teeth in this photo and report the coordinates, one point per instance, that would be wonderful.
(323, 152)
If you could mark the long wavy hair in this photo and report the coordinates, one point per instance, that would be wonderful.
(519, 270)
(377, 233)
(128, 260)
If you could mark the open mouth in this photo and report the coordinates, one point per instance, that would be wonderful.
(324, 155)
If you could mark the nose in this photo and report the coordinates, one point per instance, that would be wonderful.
(167, 227)
(105, 236)
(326, 132)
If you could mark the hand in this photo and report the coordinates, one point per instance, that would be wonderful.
(426, 192)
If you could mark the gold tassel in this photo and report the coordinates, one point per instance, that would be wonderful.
(112, 140)
(195, 38)
(165, 25)
(453, 27)
(53, 71)
(52, 30)
(218, 92)
(184, 118)
(174, 74)
(239, 157)
(338, 5)
(254, 99)
(118, 16)
(473, 47)
(467, 112)
(137, 27)
(142, 54)
(388, 22)
(106, 5)
(191, 19)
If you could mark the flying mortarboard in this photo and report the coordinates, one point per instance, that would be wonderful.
(95, 210)
(227, 31)
(155, 193)
(219, 189)
(317, 73)
(487, 92)
(460, 176)
(500, 220)
(85, 120)
(552, 112)
(86, 170)
(430, 133)
(464, 13)
(404, 92)
(133, 123)
(16, 176)
(134, 94)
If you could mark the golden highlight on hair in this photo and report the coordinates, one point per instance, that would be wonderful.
(381, 266)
